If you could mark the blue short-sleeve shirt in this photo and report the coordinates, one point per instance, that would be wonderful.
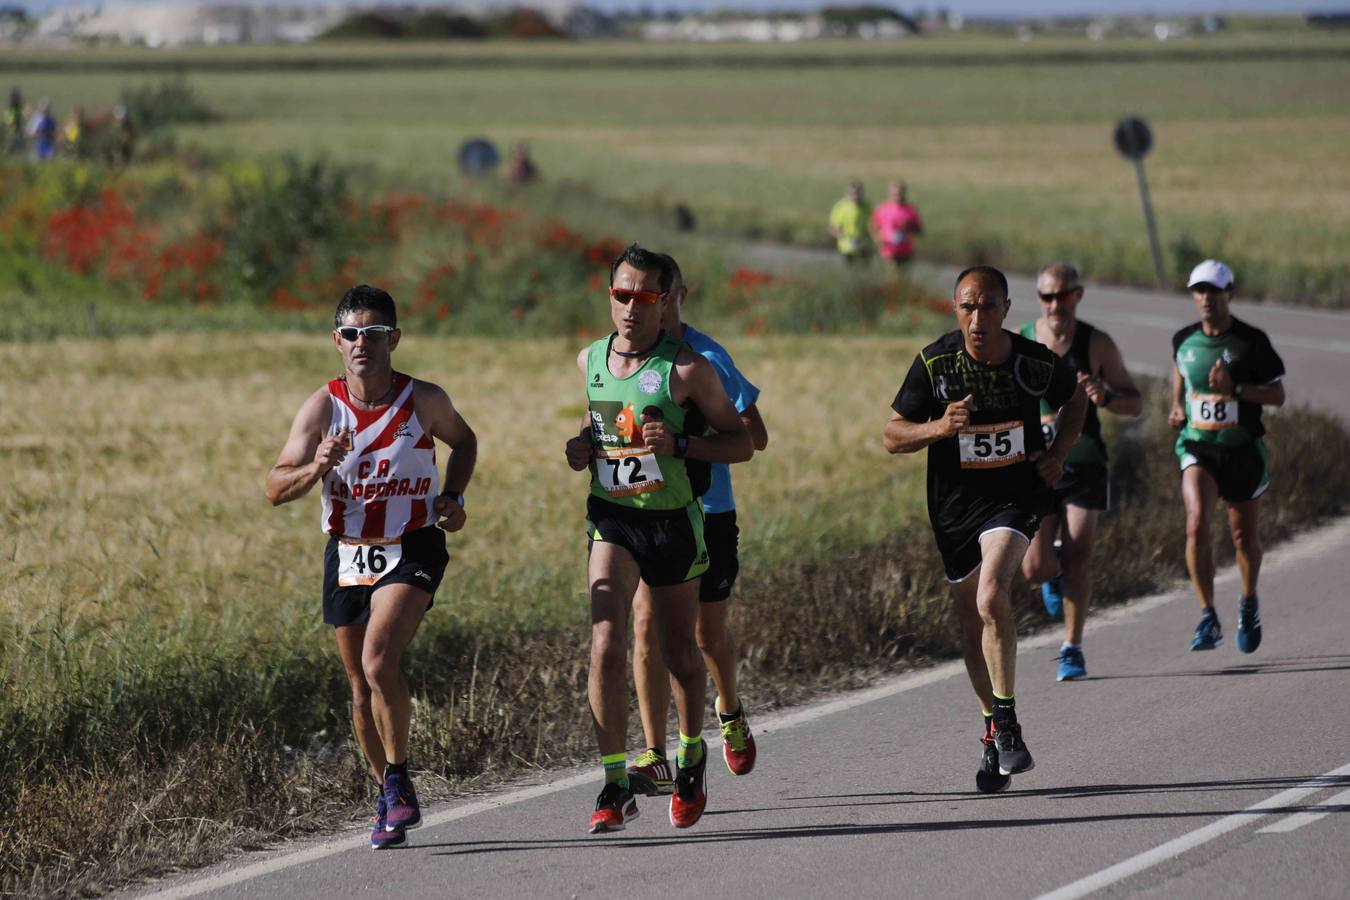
(743, 395)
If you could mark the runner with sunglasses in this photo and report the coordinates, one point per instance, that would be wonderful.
(651, 773)
(1084, 490)
(367, 439)
(1223, 372)
(972, 398)
(650, 400)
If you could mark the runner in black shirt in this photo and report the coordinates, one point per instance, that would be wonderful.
(973, 399)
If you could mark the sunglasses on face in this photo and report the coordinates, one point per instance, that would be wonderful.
(646, 298)
(352, 334)
(1057, 295)
(1206, 288)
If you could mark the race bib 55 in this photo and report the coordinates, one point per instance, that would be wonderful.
(991, 446)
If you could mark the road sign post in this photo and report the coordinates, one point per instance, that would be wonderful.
(1134, 139)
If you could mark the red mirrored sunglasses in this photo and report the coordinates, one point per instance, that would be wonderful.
(646, 298)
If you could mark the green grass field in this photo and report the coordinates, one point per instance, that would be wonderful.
(1006, 146)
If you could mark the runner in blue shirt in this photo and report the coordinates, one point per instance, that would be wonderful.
(651, 772)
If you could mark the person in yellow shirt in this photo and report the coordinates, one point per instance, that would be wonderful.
(848, 225)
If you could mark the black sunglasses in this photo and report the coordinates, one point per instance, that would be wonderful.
(1058, 295)
(1205, 287)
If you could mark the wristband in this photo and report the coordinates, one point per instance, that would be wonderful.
(458, 497)
(1237, 390)
(681, 445)
(1107, 397)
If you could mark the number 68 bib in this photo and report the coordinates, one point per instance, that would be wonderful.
(627, 471)
(1213, 412)
(991, 446)
(363, 563)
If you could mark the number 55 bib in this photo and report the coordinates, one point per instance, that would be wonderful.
(991, 446)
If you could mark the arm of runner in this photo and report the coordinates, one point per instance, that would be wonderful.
(308, 453)
(903, 436)
(698, 381)
(1264, 394)
(1112, 388)
(446, 425)
(1069, 424)
(578, 448)
(1176, 416)
(759, 434)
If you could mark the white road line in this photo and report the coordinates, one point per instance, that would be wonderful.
(1173, 848)
(1330, 538)
(1298, 820)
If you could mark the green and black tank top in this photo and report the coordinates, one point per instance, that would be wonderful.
(1090, 447)
(625, 471)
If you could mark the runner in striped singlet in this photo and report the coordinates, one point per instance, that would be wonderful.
(367, 439)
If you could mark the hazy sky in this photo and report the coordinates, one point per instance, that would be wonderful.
(1002, 8)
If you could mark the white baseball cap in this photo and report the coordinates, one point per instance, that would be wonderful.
(1211, 271)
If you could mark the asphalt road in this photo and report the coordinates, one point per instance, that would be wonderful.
(1165, 774)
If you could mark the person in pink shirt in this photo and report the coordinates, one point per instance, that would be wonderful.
(894, 225)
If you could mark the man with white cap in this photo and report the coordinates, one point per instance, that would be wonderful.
(1224, 371)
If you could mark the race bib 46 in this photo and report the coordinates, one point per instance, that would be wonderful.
(363, 563)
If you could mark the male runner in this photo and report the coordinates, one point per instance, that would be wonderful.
(1223, 372)
(367, 438)
(651, 772)
(972, 398)
(649, 399)
(1084, 491)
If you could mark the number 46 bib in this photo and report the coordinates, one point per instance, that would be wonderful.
(991, 446)
(363, 563)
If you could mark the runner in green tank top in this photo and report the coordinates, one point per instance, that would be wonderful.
(651, 403)
(1084, 491)
(1223, 372)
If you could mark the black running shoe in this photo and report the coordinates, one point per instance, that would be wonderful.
(1249, 625)
(989, 780)
(1013, 755)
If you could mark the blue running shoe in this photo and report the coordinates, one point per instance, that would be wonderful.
(1249, 625)
(1071, 664)
(1052, 594)
(381, 838)
(401, 800)
(1208, 634)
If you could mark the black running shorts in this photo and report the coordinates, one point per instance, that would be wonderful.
(1242, 472)
(1085, 485)
(422, 565)
(667, 544)
(961, 554)
(722, 538)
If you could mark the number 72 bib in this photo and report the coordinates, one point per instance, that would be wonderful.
(363, 563)
(991, 446)
(627, 471)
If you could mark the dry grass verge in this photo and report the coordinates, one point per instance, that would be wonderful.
(518, 698)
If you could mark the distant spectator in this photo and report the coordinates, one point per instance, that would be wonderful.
(848, 225)
(42, 129)
(520, 169)
(75, 134)
(13, 123)
(895, 224)
(124, 136)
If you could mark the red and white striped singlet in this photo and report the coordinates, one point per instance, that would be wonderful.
(387, 482)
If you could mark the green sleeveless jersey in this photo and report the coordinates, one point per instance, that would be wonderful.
(1212, 417)
(1090, 448)
(625, 471)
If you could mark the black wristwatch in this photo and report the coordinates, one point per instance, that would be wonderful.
(457, 496)
(681, 445)
(1107, 397)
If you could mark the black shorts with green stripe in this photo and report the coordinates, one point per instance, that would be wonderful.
(667, 544)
